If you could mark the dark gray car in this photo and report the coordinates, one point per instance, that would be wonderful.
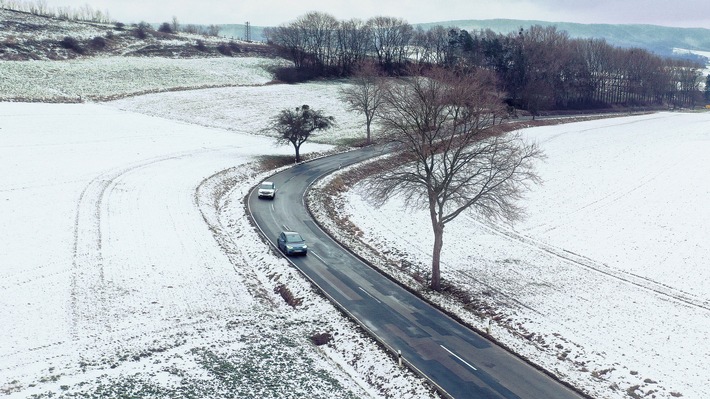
(291, 243)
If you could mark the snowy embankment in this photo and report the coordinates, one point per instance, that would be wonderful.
(606, 282)
(128, 266)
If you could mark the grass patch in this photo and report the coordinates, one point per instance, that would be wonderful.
(271, 162)
(269, 366)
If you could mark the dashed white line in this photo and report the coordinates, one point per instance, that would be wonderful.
(316, 255)
(368, 294)
(456, 356)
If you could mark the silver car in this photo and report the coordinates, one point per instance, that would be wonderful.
(267, 189)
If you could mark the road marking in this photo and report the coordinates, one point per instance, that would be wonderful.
(368, 294)
(456, 356)
(316, 255)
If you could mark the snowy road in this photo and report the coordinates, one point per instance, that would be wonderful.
(463, 364)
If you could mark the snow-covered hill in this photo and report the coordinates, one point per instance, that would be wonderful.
(25, 36)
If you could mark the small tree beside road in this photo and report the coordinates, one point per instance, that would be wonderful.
(449, 160)
(365, 94)
(295, 126)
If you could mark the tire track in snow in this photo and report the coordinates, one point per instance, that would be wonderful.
(591, 129)
(87, 280)
(657, 288)
(615, 195)
(90, 294)
(610, 198)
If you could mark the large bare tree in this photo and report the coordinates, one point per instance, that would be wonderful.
(449, 160)
(364, 95)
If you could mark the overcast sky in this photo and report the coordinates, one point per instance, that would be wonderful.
(680, 13)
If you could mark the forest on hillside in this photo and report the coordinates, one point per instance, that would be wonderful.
(537, 69)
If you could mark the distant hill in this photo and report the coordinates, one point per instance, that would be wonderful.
(238, 32)
(658, 39)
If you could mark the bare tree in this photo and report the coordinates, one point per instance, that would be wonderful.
(353, 39)
(296, 126)
(390, 40)
(213, 30)
(192, 29)
(365, 94)
(449, 161)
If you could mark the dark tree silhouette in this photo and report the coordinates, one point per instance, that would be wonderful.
(165, 27)
(295, 126)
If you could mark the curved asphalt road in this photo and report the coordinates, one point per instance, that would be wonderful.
(460, 362)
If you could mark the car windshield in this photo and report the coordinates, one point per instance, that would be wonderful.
(267, 186)
(293, 237)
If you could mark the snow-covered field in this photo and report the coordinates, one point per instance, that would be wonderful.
(108, 77)
(608, 276)
(128, 267)
(246, 109)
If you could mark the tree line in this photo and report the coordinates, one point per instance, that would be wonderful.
(89, 14)
(40, 7)
(539, 68)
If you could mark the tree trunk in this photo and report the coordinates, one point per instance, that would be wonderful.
(436, 257)
(298, 152)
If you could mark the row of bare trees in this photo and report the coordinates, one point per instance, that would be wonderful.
(539, 68)
(320, 42)
(174, 27)
(543, 68)
(40, 7)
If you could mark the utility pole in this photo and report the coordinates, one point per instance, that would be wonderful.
(247, 29)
